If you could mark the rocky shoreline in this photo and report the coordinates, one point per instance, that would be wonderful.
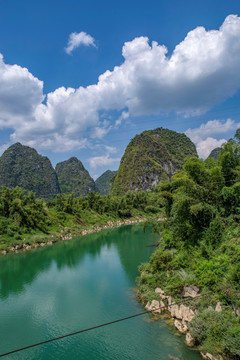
(181, 315)
(67, 235)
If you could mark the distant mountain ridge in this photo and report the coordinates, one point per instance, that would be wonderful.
(22, 166)
(215, 153)
(74, 178)
(151, 157)
(103, 182)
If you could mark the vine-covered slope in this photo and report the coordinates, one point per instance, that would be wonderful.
(150, 157)
(22, 166)
(103, 183)
(74, 178)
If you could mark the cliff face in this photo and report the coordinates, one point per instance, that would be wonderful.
(103, 183)
(22, 166)
(151, 157)
(74, 178)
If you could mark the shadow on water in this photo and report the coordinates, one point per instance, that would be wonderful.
(18, 270)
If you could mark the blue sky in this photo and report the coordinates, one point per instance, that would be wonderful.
(83, 78)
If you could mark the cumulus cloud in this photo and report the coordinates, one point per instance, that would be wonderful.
(203, 70)
(20, 94)
(79, 39)
(204, 147)
(97, 161)
(203, 135)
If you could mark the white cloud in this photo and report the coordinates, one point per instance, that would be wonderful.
(203, 135)
(111, 149)
(124, 115)
(79, 39)
(20, 94)
(212, 127)
(103, 160)
(204, 147)
(203, 70)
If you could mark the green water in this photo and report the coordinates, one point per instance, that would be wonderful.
(78, 284)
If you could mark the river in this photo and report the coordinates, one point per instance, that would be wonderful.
(77, 284)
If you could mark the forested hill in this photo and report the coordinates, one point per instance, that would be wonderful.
(151, 157)
(215, 153)
(74, 178)
(22, 166)
(103, 182)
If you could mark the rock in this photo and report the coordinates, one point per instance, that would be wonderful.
(159, 291)
(186, 313)
(209, 356)
(181, 312)
(190, 291)
(174, 310)
(3, 252)
(182, 327)
(190, 340)
(218, 307)
(155, 306)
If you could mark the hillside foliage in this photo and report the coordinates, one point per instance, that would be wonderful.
(74, 178)
(27, 219)
(22, 166)
(151, 157)
(103, 182)
(200, 245)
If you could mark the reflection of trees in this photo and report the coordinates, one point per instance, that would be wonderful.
(134, 247)
(17, 270)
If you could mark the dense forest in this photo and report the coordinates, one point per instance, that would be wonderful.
(27, 220)
(200, 245)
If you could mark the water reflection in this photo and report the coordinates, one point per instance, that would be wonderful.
(17, 270)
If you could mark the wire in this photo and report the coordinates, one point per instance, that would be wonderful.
(101, 325)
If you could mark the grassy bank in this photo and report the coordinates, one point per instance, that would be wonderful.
(26, 221)
(200, 245)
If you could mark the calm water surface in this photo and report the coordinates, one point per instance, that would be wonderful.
(78, 284)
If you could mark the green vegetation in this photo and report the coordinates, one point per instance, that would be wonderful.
(103, 183)
(151, 157)
(200, 245)
(23, 166)
(26, 220)
(215, 153)
(74, 178)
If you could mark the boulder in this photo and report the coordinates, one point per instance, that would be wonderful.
(209, 356)
(190, 340)
(159, 291)
(174, 310)
(181, 312)
(182, 327)
(154, 306)
(218, 307)
(186, 313)
(190, 291)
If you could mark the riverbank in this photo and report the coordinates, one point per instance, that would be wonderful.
(67, 234)
(211, 323)
(182, 313)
